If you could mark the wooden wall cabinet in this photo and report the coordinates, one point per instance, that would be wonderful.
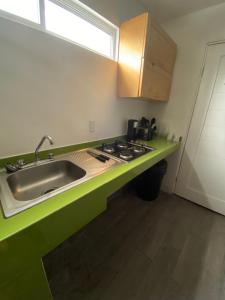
(146, 59)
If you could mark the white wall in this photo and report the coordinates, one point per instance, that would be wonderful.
(54, 87)
(191, 33)
(49, 86)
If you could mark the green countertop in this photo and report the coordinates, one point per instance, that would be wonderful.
(108, 182)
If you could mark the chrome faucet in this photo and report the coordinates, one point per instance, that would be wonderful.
(36, 153)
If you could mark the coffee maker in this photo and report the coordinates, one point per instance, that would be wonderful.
(143, 129)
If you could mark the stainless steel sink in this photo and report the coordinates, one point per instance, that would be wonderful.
(31, 183)
(37, 183)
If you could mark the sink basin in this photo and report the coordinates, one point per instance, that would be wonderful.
(39, 182)
(29, 184)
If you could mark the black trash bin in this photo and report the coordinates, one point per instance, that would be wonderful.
(148, 184)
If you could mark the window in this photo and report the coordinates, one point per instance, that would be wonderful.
(76, 29)
(27, 9)
(68, 19)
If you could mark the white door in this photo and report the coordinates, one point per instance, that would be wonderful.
(201, 178)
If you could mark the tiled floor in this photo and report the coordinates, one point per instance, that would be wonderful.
(169, 249)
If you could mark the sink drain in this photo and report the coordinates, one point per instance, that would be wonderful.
(49, 190)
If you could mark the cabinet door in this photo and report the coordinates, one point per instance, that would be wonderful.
(131, 51)
(158, 65)
(161, 50)
(156, 82)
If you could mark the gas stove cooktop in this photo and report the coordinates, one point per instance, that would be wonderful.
(125, 151)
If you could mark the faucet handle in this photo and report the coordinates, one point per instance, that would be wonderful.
(51, 155)
(21, 163)
(11, 168)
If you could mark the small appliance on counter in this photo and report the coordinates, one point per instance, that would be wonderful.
(143, 129)
(132, 130)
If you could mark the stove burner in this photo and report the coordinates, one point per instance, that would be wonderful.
(124, 150)
(138, 150)
(108, 148)
(121, 145)
(126, 154)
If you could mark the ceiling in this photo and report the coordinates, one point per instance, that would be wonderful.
(165, 10)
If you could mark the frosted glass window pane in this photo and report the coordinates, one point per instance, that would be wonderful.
(27, 9)
(72, 27)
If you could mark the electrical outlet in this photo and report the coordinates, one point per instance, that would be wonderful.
(91, 126)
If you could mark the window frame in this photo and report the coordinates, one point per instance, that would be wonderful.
(79, 9)
(18, 19)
